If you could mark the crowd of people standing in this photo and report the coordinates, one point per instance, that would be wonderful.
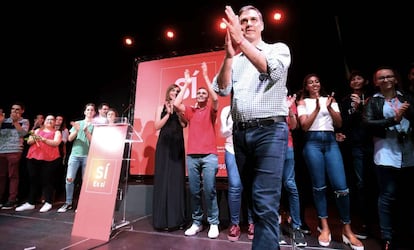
(254, 74)
(39, 163)
(373, 125)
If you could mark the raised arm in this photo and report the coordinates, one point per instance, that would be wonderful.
(178, 102)
(213, 95)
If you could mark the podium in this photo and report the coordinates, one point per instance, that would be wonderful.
(96, 205)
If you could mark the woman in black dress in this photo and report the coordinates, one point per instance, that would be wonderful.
(169, 209)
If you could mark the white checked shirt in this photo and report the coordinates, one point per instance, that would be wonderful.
(258, 95)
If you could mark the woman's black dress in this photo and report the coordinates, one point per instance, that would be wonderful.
(169, 209)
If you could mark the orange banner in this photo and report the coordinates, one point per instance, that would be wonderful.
(100, 182)
(153, 78)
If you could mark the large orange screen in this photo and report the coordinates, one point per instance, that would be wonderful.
(153, 78)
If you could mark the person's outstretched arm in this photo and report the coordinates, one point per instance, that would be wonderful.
(178, 102)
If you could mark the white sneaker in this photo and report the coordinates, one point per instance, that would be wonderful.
(193, 230)
(213, 232)
(64, 208)
(282, 240)
(46, 207)
(24, 207)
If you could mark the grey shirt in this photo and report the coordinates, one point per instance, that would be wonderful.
(11, 140)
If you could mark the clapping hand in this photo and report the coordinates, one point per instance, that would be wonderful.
(356, 99)
(76, 125)
(234, 34)
(86, 126)
(36, 138)
(400, 112)
(330, 100)
(291, 100)
(234, 29)
(169, 106)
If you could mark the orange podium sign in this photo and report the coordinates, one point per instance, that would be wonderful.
(95, 210)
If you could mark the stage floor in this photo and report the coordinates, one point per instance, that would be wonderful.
(52, 230)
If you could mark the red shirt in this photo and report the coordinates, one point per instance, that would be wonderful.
(42, 151)
(201, 130)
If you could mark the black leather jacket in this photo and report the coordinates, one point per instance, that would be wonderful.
(376, 122)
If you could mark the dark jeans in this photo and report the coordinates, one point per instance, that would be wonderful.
(260, 155)
(394, 211)
(364, 183)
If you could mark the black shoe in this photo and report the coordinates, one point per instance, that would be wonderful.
(299, 238)
(362, 233)
(9, 205)
(305, 229)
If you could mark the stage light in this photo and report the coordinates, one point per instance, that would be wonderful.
(222, 25)
(170, 34)
(278, 16)
(128, 41)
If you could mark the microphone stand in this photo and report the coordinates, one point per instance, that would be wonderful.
(127, 109)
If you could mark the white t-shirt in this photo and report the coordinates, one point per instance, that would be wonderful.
(226, 128)
(323, 121)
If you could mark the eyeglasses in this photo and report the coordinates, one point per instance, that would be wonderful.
(382, 78)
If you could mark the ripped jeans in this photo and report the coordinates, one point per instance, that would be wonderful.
(323, 157)
(74, 163)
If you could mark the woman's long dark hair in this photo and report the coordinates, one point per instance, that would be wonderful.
(305, 93)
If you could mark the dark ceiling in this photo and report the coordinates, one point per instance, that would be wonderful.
(57, 58)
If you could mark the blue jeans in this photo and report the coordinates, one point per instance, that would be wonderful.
(235, 189)
(323, 156)
(205, 168)
(387, 183)
(74, 163)
(260, 155)
(289, 183)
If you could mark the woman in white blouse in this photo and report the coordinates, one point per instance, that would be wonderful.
(319, 115)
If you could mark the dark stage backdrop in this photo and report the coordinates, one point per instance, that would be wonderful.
(153, 78)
